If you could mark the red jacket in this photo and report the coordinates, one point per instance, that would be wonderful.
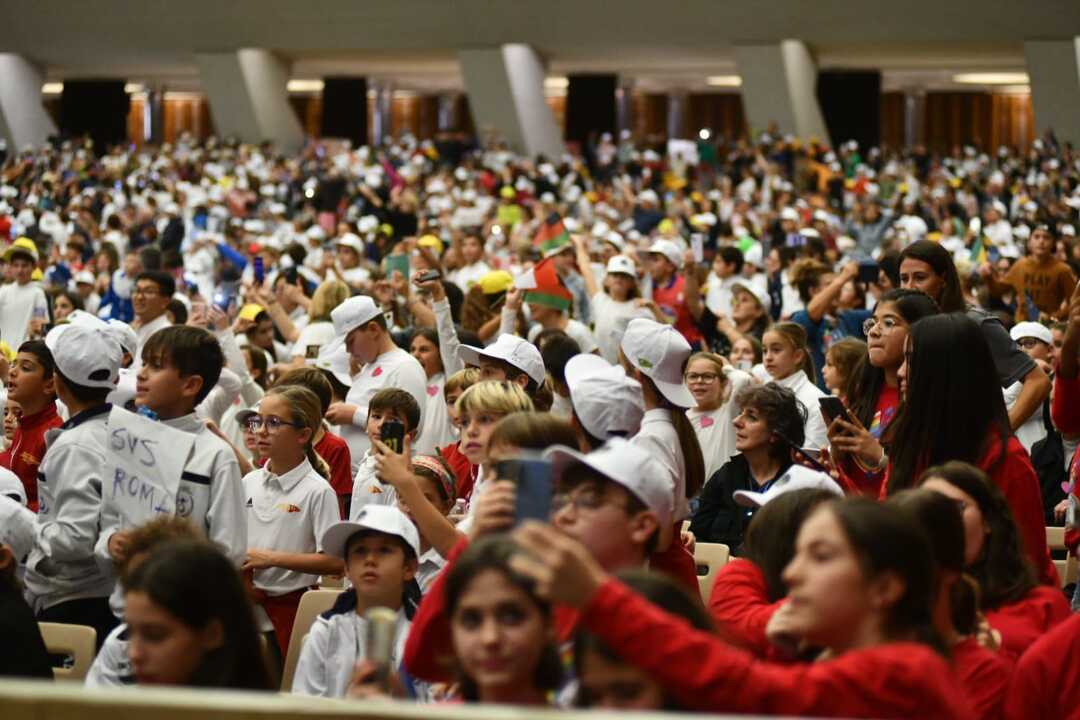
(464, 471)
(741, 609)
(677, 562)
(1016, 478)
(703, 673)
(1025, 621)
(335, 451)
(28, 448)
(983, 676)
(1046, 682)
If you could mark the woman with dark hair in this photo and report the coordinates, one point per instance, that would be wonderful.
(770, 420)
(190, 621)
(485, 596)
(1014, 603)
(860, 586)
(953, 410)
(748, 590)
(873, 391)
(983, 674)
(927, 266)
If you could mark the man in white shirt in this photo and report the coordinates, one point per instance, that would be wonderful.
(361, 326)
(22, 300)
(151, 296)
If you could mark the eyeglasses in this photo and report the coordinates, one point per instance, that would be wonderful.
(584, 498)
(145, 291)
(1028, 342)
(271, 422)
(886, 323)
(702, 377)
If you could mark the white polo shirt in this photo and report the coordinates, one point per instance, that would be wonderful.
(394, 368)
(428, 568)
(143, 333)
(289, 513)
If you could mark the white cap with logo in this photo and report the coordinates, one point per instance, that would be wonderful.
(86, 355)
(353, 313)
(520, 353)
(625, 464)
(660, 352)
(381, 518)
(605, 400)
(621, 265)
(796, 478)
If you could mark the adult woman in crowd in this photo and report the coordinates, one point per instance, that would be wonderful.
(1015, 604)
(770, 420)
(953, 410)
(874, 391)
(860, 586)
(714, 385)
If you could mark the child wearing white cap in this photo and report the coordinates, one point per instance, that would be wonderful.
(361, 326)
(1036, 341)
(24, 650)
(379, 547)
(64, 581)
(605, 402)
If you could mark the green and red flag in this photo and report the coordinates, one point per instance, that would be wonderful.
(552, 237)
(543, 287)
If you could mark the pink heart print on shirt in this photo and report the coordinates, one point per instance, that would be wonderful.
(376, 372)
(432, 390)
(707, 421)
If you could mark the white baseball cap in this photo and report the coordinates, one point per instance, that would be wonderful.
(615, 239)
(620, 264)
(334, 360)
(759, 293)
(353, 313)
(16, 527)
(509, 348)
(628, 465)
(796, 478)
(669, 250)
(1035, 330)
(11, 485)
(381, 518)
(125, 335)
(660, 352)
(353, 241)
(789, 213)
(606, 401)
(85, 276)
(86, 355)
(649, 196)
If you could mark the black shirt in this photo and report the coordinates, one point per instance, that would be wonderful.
(719, 519)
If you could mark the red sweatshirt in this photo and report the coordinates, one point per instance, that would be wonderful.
(28, 448)
(703, 673)
(741, 609)
(1025, 621)
(464, 471)
(335, 451)
(429, 651)
(1016, 478)
(1046, 683)
(983, 676)
(677, 562)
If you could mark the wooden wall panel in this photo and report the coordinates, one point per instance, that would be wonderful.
(892, 119)
(135, 124)
(958, 118)
(648, 115)
(722, 113)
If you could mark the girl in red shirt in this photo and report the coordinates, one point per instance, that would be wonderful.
(873, 391)
(1015, 604)
(860, 585)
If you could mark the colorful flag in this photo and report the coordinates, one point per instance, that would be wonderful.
(543, 286)
(552, 236)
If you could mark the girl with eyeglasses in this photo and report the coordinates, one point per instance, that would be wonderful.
(714, 384)
(873, 391)
(290, 505)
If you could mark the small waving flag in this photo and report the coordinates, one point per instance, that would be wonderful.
(552, 236)
(543, 286)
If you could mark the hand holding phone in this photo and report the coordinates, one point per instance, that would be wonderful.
(532, 476)
(392, 433)
(832, 407)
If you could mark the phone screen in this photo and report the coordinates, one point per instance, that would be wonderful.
(392, 433)
(534, 487)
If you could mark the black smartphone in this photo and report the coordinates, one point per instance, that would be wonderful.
(534, 487)
(868, 271)
(392, 433)
(803, 453)
(427, 276)
(832, 407)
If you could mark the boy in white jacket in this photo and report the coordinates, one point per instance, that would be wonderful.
(389, 404)
(380, 549)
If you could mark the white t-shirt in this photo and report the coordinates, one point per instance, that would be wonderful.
(465, 277)
(394, 368)
(715, 429)
(610, 319)
(1034, 429)
(143, 333)
(18, 305)
(581, 334)
(436, 431)
(808, 393)
(290, 513)
(312, 338)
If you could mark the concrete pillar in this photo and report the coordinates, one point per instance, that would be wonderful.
(779, 85)
(506, 94)
(914, 116)
(624, 106)
(676, 116)
(23, 120)
(381, 129)
(1054, 69)
(248, 97)
(447, 103)
(154, 116)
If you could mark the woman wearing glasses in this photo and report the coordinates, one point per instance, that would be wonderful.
(290, 504)
(714, 385)
(873, 391)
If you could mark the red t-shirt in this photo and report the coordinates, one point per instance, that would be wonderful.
(740, 606)
(672, 301)
(28, 448)
(983, 675)
(1026, 620)
(854, 479)
(1046, 682)
(335, 451)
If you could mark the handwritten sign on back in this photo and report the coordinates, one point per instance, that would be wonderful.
(146, 460)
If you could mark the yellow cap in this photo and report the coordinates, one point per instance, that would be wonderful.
(24, 246)
(934, 236)
(666, 226)
(495, 281)
(7, 351)
(431, 241)
(250, 311)
(507, 192)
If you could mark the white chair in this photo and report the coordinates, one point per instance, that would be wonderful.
(711, 557)
(312, 604)
(79, 641)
